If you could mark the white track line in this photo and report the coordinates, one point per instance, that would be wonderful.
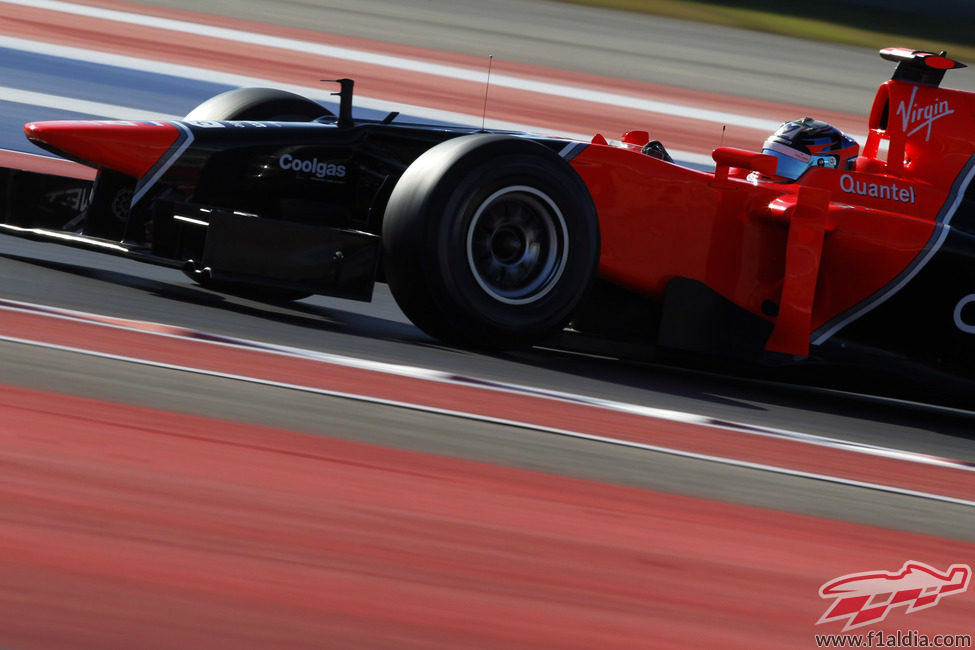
(439, 376)
(101, 109)
(401, 63)
(318, 93)
(890, 489)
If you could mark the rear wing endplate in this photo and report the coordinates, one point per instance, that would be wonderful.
(918, 66)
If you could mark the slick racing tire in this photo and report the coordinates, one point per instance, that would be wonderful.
(260, 104)
(490, 241)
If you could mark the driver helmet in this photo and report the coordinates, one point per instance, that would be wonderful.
(801, 144)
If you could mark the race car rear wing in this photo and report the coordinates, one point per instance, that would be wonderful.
(918, 66)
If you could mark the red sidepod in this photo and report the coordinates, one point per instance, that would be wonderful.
(130, 148)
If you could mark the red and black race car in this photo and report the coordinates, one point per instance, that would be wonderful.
(808, 251)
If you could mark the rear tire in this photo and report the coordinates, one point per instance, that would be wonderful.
(490, 241)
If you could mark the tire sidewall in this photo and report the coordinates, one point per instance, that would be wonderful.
(446, 190)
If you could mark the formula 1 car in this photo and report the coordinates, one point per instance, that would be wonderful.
(500, 239)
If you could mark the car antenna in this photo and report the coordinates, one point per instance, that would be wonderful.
(487, 86)
(724, 127)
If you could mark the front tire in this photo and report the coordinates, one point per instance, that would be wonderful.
(490, 241)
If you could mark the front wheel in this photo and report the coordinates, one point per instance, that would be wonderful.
(490, 241)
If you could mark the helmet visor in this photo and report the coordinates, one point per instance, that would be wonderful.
(787, 166)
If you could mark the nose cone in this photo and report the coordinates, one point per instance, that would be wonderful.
(131, 148)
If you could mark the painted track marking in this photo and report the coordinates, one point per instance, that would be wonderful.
(402, 63)
(289, 57)
(700, 438)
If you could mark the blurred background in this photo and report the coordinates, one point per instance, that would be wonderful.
(944, 24)
(230, 513)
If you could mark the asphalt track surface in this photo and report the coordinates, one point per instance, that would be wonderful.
(549, 34)
(47, 274)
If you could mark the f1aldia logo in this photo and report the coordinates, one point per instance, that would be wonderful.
(865, 598)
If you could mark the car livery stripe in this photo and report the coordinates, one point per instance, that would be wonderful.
(572, 150)
(933, 245)
(183, 141)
